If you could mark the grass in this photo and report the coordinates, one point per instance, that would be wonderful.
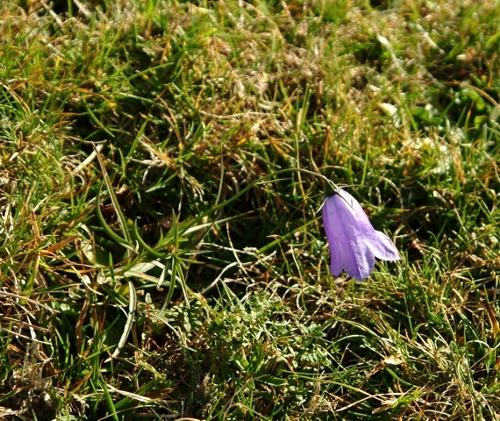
(161, 251)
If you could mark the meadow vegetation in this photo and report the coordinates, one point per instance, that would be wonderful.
(162, 254)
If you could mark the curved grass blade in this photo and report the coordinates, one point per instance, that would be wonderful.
(114, 200)
(132, 306)
(127, 244)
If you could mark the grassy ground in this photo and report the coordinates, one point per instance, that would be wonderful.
(161, 253)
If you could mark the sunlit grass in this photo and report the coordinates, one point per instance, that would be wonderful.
(161, 251)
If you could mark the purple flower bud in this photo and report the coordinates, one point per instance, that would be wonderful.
(354, 243)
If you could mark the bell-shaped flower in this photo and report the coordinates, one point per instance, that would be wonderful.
(353, 241)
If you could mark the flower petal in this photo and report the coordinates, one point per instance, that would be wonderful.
(364, 261)
(383, 248)
(347, 227)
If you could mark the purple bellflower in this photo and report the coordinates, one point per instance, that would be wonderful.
(353, 241)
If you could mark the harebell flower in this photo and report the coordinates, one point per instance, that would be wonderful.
(353, 241)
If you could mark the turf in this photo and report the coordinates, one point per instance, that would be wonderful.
(162, 254)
